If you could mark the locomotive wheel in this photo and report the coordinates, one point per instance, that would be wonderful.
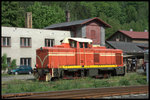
(48, 77)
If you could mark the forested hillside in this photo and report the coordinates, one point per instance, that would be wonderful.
(121, 15)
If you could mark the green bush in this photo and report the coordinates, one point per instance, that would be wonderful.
(4, 61)
(142, 80)
(101, 83)
(124, 82)
(13, 64)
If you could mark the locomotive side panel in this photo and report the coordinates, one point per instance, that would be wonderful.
(89, 56)
(54, 58)
(59, 57)
(96, 57)
(102, 58)
(80, 56)
(70, 56)
(107, 57)
(113, 60)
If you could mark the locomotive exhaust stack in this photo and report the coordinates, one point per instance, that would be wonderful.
(76, 57)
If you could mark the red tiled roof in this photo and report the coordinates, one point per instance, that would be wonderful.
(136, 35)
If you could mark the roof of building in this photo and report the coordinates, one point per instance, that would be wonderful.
(127, 47)
(142, 44)
(132, 34)
(135, 35)
(78, 22)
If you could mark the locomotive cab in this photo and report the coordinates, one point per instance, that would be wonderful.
(77, 43)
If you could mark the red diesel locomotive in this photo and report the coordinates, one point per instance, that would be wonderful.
(76, 57)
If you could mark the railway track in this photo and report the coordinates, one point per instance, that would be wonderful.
(81, 93)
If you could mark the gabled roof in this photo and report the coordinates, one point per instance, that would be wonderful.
(132, 34)
(127, 47)
(78, 22)
(135, 35)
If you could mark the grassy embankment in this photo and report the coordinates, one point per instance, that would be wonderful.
(19, 86)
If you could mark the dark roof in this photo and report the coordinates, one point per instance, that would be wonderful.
(136, 35)
(127, 47)
(142, 44)
(78, 22)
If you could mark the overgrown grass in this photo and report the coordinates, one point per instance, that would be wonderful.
(5, 74)
(18, 86)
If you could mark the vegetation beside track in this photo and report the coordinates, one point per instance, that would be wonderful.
(20, 86)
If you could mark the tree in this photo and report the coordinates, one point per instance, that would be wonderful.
(115, 23)
(13, 64)
(131, 13)
(11, 13)
(128, 14)
(4, 61)
(45, 15)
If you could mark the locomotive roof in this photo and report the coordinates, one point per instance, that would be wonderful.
(77, 39)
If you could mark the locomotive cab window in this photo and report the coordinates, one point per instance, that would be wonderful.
(73, 44)
(81, 44)
(85, 45)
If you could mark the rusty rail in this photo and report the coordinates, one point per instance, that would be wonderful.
(81, 93)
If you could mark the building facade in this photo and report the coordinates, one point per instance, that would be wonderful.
(129, 36)
(21, 43)
(132, 43)
(92, 28)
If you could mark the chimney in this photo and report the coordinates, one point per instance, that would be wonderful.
(28, 20)
(131, 29)
(67, 16)
(145, 30)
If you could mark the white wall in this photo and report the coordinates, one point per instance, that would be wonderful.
(37, 40)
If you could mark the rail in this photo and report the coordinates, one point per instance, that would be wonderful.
(81, 93)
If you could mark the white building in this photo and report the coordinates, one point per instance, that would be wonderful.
(21, 43)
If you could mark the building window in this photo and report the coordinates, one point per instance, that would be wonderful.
(49, 42)
(25, 61)
(25, 42)
(5, 41)
(9, 61)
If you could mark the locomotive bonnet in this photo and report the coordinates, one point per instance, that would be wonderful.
(77, 57)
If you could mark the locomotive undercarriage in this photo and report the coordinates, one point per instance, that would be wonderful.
(55, 73)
